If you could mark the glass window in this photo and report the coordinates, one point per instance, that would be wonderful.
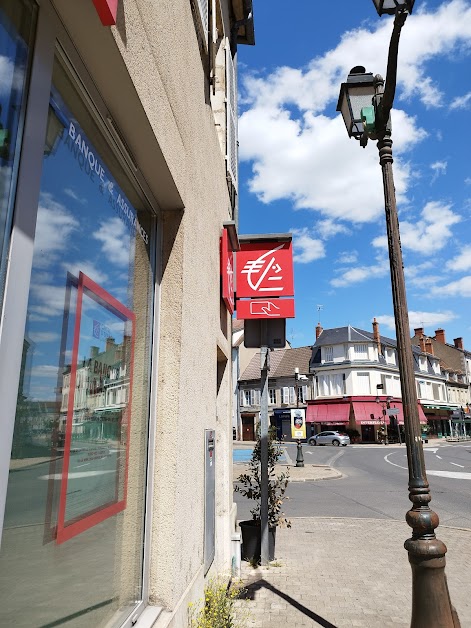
(328, 354)
(363, 380)
(272, 396)
(17, 20)
(360, 352)
(74, 519)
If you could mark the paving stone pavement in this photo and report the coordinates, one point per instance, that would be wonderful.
(340, 573)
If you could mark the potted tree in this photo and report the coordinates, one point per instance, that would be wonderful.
(249, 485)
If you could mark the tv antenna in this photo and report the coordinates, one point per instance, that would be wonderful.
(319, 310)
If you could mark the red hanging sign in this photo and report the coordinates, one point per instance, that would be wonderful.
(107, 10)
(227, 271)
(265, 269)
(265, 308)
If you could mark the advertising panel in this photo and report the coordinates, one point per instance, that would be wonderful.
(298, 423)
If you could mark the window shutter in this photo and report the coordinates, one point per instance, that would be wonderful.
(304, 389)
(203, 10)
(242, 399)
(285, 394)
(292, 395)
(257, 397)
(252, 397)
(231, 116)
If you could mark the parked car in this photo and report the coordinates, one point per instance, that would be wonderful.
(330, 438)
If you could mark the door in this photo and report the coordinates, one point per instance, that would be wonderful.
(248, 431)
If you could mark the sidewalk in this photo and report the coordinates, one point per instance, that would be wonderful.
(340, 573)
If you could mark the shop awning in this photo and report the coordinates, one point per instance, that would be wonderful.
(371, 413)
(328, 413)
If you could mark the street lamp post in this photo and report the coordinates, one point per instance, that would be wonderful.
(299, 451)
(365, 107)
(385, 407)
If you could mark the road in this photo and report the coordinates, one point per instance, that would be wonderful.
(374, 484)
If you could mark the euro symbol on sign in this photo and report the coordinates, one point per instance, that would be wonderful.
(262, 267)
(264, 308)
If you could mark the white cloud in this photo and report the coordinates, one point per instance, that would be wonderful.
(54, 227)
(116, 241)
(48, 300)
(346, 257)
(438, 167)
(328, 228)
(461, 262)
(429, 234)
(69, 192)
(45, 370)
(461, 102)
(301, 153)
(44, 336)
(419, 319)
(360, 274)
(88, 269)
(460, 288)
(306, 248)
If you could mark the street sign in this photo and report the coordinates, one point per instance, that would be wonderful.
(265, 308)
(227, 271)
(276, 333)
(392, 411)
(265, 269)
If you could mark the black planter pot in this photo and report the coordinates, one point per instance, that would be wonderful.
(252, 541)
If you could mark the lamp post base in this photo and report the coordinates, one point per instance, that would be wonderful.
(431, 605)
(299, 456)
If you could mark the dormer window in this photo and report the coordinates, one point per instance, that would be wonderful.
(422, 363)
(328, 354)
(360, 352)
(390, 356)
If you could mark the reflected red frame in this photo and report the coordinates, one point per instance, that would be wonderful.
(66, 531)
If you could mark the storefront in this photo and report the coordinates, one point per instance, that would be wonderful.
(75, 493)
(100, 263)
(328, 415)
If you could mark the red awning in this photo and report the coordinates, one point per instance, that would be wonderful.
(364, 409)
(333, 413)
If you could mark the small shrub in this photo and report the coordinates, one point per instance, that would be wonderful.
(217, 610)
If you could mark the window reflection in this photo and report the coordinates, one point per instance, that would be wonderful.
(75, 506)
(16, 33)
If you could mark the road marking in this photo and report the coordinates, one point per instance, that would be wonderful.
(432, 449)
(334, 458)
(82, 465)
(457, 465)
(288, 459)
(456, 475)
(439, 457)
(74, 476)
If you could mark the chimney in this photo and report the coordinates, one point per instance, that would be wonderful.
(429, 346)
(458, 343)
(419, 331)
(109, 343)
(319, 330)
(94, 351)
(440, 336)
(376, 335)
(422, 343)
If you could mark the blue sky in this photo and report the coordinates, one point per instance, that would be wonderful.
(300, 172)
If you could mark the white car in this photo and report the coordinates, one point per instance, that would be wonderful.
(330, 438)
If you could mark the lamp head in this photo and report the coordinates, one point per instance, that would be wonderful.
(356, 93)
(389, 7)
